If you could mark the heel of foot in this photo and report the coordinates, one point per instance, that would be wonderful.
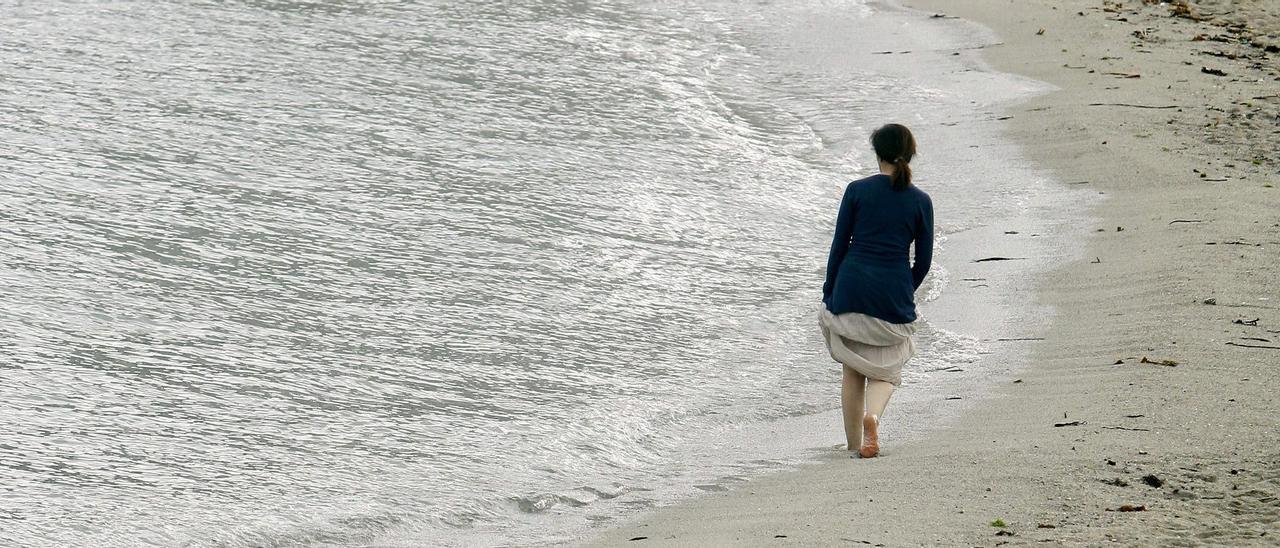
(870, 437)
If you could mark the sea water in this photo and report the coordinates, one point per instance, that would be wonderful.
(284, 273)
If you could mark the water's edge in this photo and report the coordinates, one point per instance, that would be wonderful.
(986, 306)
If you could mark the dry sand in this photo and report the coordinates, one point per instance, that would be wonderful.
(1192, 216)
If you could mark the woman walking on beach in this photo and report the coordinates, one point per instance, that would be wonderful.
(869, 292)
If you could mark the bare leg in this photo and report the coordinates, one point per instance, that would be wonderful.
(852, 395)
(877, 395)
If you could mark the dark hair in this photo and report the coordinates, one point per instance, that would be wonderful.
(895, 145)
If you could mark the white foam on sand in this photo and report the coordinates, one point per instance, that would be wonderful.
(990, 202)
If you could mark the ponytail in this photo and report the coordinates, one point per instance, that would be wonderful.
(895, 145)
(901, 174)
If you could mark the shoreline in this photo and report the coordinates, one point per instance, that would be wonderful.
(1188, 219)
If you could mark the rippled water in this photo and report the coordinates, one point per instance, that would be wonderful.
(345, 272)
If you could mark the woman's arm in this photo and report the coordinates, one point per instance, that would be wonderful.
(840, 242)
(924, 244)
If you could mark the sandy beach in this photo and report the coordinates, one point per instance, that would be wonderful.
(1145, 414)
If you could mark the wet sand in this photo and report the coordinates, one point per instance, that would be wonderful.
(1152, 389)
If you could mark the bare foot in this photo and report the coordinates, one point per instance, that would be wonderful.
(870, 436)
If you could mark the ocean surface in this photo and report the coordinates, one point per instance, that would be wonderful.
(395, 273)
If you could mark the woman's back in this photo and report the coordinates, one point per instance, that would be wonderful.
(869, 269)
(886, 221)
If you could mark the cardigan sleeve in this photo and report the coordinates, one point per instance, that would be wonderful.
(923, 243)
(840, 242)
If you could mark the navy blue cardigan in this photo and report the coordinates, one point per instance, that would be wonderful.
(869, 270)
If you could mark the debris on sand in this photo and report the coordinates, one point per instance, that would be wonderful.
(1182, 8)
(1253, 345)
(1132, 105)
(1130, 508)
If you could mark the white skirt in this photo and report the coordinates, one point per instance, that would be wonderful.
(871, 346)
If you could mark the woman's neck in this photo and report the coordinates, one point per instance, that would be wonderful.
(887, 168)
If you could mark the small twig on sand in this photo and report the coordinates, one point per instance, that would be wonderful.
(1126, 428)
(1130, 105)
(989, 259)
(1175, 221)
(1251, 306)
(1254, 345)
(1021, 339)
